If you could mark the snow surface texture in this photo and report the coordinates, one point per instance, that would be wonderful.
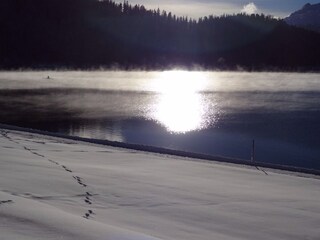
(53, 188)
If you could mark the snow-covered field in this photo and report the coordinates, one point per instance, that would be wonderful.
(53, 188)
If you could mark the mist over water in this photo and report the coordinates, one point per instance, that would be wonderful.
(147, 81)
(216, 113)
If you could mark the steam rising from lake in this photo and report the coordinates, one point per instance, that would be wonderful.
(143, 81)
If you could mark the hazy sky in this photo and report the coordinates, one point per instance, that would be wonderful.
(200, 8)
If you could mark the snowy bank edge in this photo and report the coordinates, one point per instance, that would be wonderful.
(166, 151)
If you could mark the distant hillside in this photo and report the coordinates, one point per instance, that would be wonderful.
(308, 17)
(93, 34)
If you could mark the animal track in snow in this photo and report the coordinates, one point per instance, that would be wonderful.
(33, 152)
(67, 169)
(5, 201)
(53, 162)
(88, 214)
(5, 134)
(79, 180)
(8, 147)
(87, 197)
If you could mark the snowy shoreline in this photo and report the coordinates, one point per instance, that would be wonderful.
(172, 152)
(58, 188)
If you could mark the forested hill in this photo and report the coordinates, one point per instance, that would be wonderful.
(90, 34)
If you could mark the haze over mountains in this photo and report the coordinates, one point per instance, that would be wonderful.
(93, 34)
(308, 17)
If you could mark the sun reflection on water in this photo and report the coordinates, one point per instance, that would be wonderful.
(181, 107)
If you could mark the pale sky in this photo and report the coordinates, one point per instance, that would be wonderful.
(201, 8)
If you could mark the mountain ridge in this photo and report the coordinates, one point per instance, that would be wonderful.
(307, 17)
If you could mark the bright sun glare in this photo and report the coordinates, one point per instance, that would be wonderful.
(180, 107)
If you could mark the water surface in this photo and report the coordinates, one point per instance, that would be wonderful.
(217, 113)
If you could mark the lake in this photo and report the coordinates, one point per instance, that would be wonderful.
(216, 113)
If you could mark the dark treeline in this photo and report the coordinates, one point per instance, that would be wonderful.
(91, 34)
